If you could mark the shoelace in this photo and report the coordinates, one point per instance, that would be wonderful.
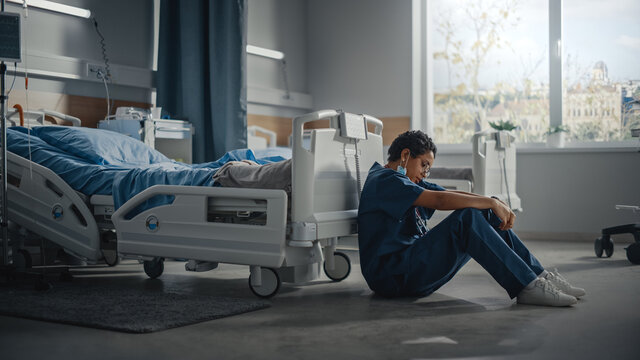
(548, 287)
(557, 277)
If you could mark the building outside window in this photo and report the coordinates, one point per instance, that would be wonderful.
(491, 64)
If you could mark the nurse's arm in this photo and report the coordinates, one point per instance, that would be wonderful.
(464, 192)
(453, 200)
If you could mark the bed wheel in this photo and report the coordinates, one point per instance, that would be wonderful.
(270, 284)
(154, 268)
(109, 248)
(633, 253)
(342, 267)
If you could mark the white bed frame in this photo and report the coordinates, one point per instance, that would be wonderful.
(286, 246)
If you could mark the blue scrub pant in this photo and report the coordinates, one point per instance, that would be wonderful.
(469, 233)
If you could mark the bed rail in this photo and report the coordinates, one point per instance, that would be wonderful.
(42, 202)
(228, 225)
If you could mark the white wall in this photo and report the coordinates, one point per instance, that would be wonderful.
(277, 25)
(62, 43)
(360, 55)
(569, 193)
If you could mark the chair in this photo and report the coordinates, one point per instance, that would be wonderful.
(605, 243)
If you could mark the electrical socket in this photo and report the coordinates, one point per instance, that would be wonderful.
(93, 69)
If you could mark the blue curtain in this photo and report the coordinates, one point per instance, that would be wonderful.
(201, 72)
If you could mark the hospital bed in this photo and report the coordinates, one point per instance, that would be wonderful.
(493, 172)
(254, 227)
(256, 141)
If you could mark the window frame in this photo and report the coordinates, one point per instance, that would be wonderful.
(422, 115)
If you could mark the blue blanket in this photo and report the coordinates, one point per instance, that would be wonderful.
(103, 162)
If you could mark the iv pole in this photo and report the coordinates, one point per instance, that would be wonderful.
(3, 165)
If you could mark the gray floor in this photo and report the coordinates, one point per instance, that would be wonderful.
(471, 317)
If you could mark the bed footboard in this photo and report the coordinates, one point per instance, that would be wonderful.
(42, 202)
(227, 225)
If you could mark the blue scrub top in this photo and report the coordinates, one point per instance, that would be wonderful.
(388, 223)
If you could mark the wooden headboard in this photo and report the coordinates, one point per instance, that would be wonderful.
(88, 109)
(393, 126)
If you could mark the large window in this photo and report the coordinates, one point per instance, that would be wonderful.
(491, 65)
(601, 85)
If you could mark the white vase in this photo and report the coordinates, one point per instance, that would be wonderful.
(555, 140)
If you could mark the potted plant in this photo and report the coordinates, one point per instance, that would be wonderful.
(503, 136)
(502, 125)
(555, 136)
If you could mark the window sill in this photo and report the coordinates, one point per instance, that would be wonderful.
(630, 146)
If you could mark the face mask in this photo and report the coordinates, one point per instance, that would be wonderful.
(401, 170)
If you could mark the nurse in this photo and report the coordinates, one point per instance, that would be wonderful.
(401, 256)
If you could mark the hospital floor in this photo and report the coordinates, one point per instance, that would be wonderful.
(470, 317)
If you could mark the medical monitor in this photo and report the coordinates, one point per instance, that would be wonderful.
(10, 37)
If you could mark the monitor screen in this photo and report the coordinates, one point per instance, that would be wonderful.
(9, 37)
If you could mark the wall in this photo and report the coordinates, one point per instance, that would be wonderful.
(277, 25)
(360, 56)
(568, 194)
(64, 44)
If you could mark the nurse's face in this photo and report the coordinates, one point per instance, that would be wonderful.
(418, 167)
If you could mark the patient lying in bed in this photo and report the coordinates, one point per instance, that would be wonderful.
(94, 161)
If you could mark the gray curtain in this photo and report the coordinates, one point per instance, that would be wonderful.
(201, 72)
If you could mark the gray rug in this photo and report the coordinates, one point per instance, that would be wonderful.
(127, 310)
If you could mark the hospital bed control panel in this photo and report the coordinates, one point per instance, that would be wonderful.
(353, 126)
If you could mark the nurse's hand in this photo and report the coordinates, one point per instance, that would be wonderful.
(504, 213)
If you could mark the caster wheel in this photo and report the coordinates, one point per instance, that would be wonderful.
(607, 245)
(111, 257)
(109, 248)
(22, 259)
(270, 284)
(633, 253)
(154, 268)
(342, 267)
(597, 247)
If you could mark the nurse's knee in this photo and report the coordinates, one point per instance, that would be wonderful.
(468, 214)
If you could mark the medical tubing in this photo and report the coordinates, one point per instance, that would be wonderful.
(26, 83)
(106, 88)
(506, 179)
(15, 70)
(358, 178)
(103, 46)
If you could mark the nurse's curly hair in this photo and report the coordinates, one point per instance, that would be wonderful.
(415, 140)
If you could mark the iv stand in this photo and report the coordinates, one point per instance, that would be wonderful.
(3, 165)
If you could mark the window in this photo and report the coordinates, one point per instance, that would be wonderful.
(489, 67)
(601, 72)
(490, 63)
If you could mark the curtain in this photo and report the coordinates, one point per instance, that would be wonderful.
(201, 72)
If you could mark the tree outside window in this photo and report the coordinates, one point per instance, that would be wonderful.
(491, 64)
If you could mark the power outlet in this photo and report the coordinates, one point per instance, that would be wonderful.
(94, 69)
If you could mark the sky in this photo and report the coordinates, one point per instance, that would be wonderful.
(593, 30)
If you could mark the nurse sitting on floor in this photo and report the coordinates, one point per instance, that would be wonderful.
(400, 256)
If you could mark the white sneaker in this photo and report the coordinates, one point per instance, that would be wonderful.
(563, 285)
(544, 293)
